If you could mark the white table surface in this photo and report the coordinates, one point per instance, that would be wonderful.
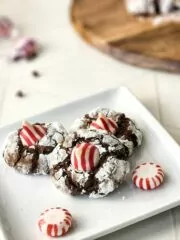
(70, 70)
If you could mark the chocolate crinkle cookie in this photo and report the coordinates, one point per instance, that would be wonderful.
(27, 149)
(89, 163)
(115, 123)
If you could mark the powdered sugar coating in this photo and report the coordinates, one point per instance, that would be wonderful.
(56, 156)
(129, 145)
(55, 134)
(135, 131)
(125, 127)
(105, 111)
(110, 176)
(99, 139)
(105, 178)
(80, 177)
(11, 147)
(115, 167)
(60, 181)
(42, 166)
(33, 159)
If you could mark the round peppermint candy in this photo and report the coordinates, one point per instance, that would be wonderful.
(55, 222)
(148, 176)
(85, 157)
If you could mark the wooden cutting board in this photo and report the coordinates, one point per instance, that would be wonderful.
(106, 25)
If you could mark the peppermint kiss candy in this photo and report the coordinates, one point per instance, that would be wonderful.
(104, 123)
(7, 28)
(30, 134)
(26, 48)
(85, 157)
(148, 176)
(55, 222)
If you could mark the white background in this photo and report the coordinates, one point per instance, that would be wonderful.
(70, 70)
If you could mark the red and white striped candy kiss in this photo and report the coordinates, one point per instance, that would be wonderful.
(7, 28)
(104, 123)
(85, 157)
(30, 134)
(26, 48)
(29, 47)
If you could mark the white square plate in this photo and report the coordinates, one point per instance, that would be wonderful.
(23, 198)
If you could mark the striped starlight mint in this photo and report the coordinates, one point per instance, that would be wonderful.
(148, 176)
(55, 222)
(104, 123)
(85, 157)
(30, 134)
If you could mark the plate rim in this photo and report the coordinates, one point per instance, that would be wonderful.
(124, 90)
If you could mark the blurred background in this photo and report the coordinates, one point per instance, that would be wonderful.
(68, 69)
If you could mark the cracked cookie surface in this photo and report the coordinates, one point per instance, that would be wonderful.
(126, 130)
(104, 179)
(33, 159)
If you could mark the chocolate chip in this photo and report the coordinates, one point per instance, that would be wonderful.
(35, 73)
(16, 58)
(156, 6)
(20, 94)
(31, 56)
